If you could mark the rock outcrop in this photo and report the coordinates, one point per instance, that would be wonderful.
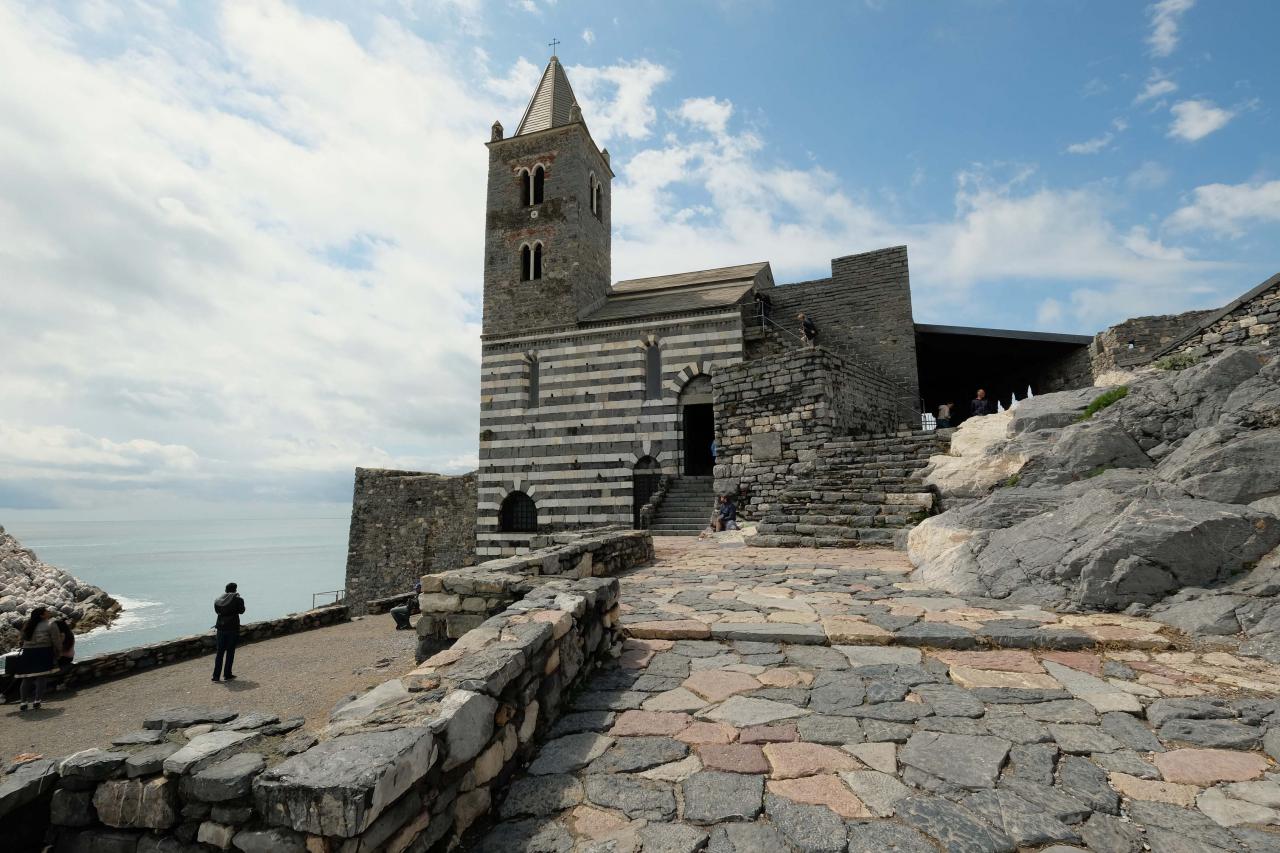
(1164, 502)
(26, 582)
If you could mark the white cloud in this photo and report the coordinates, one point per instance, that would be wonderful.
(1157, 86)
(707, 113)
(1226, 208)
(1165, 17)
(1096, 86)
(1099, 143)
(588, 36)
(1197, 119)
(1149, 176)
(617, 100)
(1049, 314)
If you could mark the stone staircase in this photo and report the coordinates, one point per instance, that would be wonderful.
(863, 491)
(686, 508)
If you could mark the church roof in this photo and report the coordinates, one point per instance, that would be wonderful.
(720, 275)
(551, 102)
(627, 306)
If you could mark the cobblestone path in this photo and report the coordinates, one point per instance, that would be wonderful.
(808, 700)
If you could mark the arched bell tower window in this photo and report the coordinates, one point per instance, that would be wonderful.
(518, 514)
(539, 181)
(652, 372)
(526, 188)
(531, 262)
(593, 190)
(537, 261)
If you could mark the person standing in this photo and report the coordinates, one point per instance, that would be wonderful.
(228, 606)
(808, 329)
(67, 656)
(944, 416)
(979, 405)
(41, 645)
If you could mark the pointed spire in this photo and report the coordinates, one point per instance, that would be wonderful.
(553, 102)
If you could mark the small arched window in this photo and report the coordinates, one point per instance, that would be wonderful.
(652, 372)
(537, 262)
(534, 380)
(526, 188)
(539, 179)
(526, 263)
(518, 514)
(597, 196)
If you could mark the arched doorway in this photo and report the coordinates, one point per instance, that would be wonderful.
(645, 477)
(518, 514)
(698, 427)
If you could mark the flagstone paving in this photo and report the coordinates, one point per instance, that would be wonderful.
(801, 700)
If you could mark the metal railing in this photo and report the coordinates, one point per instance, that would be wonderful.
(339, 596)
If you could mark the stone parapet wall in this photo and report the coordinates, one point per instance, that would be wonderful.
(128, 661)
(1148, 335)
(773, 414)
(455, 602)
(414, 764)
(405, 523)
(1252, 320)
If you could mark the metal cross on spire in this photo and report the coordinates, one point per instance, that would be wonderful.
(553, 44)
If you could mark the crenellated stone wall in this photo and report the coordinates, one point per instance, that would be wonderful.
(413, 764)
(403, 524)
(772, 414)
(1147, 335)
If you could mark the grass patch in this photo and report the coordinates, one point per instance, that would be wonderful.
(1178, 361)
(1103, 400)
(1096, 472)
(1013, 481)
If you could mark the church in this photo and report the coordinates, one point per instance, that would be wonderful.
(592, 390)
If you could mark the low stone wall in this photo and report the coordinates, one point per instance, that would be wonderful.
(128, 661)
(378, 606)
(455, 602)
(1147, 335)
(1251, 320)
(414, 764)
(773, 414)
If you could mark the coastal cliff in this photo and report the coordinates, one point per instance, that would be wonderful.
(25, 582)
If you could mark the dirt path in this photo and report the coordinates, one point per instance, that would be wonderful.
(301, 675)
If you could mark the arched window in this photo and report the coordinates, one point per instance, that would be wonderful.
(537, 262)
(526, 263)
(591, 193)
(518, 514)
(534, 378)
(597, 206)
(652, 372)
(539, 179)
(526, 189)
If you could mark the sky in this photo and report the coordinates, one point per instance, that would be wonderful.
(241, 241)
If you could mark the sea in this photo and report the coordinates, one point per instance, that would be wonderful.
(166, 572)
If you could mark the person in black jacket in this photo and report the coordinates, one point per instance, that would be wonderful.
(228, 606)
(980, 405)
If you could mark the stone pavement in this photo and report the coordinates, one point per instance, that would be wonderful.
(815, 700)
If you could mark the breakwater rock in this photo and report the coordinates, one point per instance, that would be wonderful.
(26, 581)
(1159, 497)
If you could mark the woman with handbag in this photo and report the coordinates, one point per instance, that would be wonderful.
(41, 645)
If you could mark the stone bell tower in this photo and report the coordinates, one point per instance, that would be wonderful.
(546, 257)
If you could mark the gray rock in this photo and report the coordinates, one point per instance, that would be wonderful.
(1225, 465)
(1082, 740)
(536, 835)
(72, 808)
(92, 764)
(228, 779)
(1218, 734)
(816, 657)
(273, 840)
(1124, 761)
(1162, 710)
(538, 796)
(469, 725)
(150, 760)
(1063, 711)
(582, 721)
(28, 782)
(1051, 411)
(772, 632)
(746, 838)
(569, 753)
(188, 715)
(955, 827)
(1084, 780)
(1019, 819)
(671, 838)
(1032, 762)
(836, 693)
(885, 837)
(203, 750)
(894, 712)
(1258, 840)
(969, 762)
(103, 841)
(947, 700)
(879, 792)
(633, 796)
(610, 700)
(1213, 614)
(1179, 830)
(1131, 732)
(881, 731)
(296, 743)
(339, 786)
(939, 635)
(137, 803)
(1017, 728)
(711, 797)
(813, 829)
(1271, 743)
(252, 720)
(632, 754)
(283, 727)
(1106, 834)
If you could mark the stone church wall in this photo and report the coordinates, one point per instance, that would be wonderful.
(773, 414)
(405, 524)
(1252, 320)
(863, 311)
(574, 452)
(1149, 335)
